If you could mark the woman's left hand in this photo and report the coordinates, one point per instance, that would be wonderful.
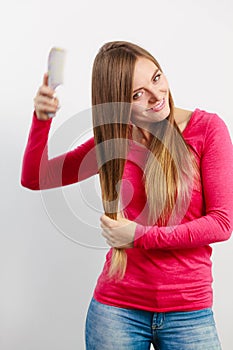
(118, 233)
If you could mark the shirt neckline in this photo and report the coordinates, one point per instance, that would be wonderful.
(186, 129)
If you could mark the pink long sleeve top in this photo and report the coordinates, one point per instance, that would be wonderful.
(169, 268)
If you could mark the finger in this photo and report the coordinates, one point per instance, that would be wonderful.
(104, 224)
(107, 221)
(45, 79)
(46, 91)
(46, 100)
(107, 239)
(45, 109)
(42, 103)
(105, 234)
(41, 107)
(109, 243)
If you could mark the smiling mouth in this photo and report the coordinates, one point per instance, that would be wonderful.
(158, 106)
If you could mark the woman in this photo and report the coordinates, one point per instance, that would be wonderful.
(166, 179)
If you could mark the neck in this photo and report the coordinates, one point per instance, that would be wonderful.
(142, 135)
(182, 117)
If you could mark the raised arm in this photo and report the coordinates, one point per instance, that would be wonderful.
(39, 172)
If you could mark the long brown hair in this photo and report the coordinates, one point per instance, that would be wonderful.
(169, 165)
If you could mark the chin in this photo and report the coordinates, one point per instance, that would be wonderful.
(158, 116)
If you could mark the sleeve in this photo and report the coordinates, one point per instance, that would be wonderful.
(217, 181)
(39, 172)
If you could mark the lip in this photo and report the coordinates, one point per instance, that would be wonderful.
(158, 107)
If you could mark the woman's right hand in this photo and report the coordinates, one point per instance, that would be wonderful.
(45, 101)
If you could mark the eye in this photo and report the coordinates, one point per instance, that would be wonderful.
(137, 95)
(157, 77)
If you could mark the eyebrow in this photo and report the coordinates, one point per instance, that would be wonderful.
(156, 71)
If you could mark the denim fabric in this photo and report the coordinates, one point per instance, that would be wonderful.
(109, 327)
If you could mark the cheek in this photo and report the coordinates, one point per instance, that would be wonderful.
(137, 109)
(164, 84)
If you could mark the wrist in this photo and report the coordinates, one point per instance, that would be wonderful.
(46, 120)
(138, 236)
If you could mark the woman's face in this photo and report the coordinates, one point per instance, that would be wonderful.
(150, 99)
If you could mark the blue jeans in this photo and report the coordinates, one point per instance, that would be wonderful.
(109, 327)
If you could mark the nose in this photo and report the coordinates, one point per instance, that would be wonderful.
(153, 95)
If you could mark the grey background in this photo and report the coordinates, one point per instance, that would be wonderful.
(49, 267)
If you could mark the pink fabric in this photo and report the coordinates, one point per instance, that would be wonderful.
(169, 268)
(39, 172)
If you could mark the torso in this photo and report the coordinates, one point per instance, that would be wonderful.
(167, 278)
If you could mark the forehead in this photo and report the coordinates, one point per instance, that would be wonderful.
(143, 71)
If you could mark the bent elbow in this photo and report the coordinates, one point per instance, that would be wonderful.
(29, 185)
(226, 229)
(227, 235)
